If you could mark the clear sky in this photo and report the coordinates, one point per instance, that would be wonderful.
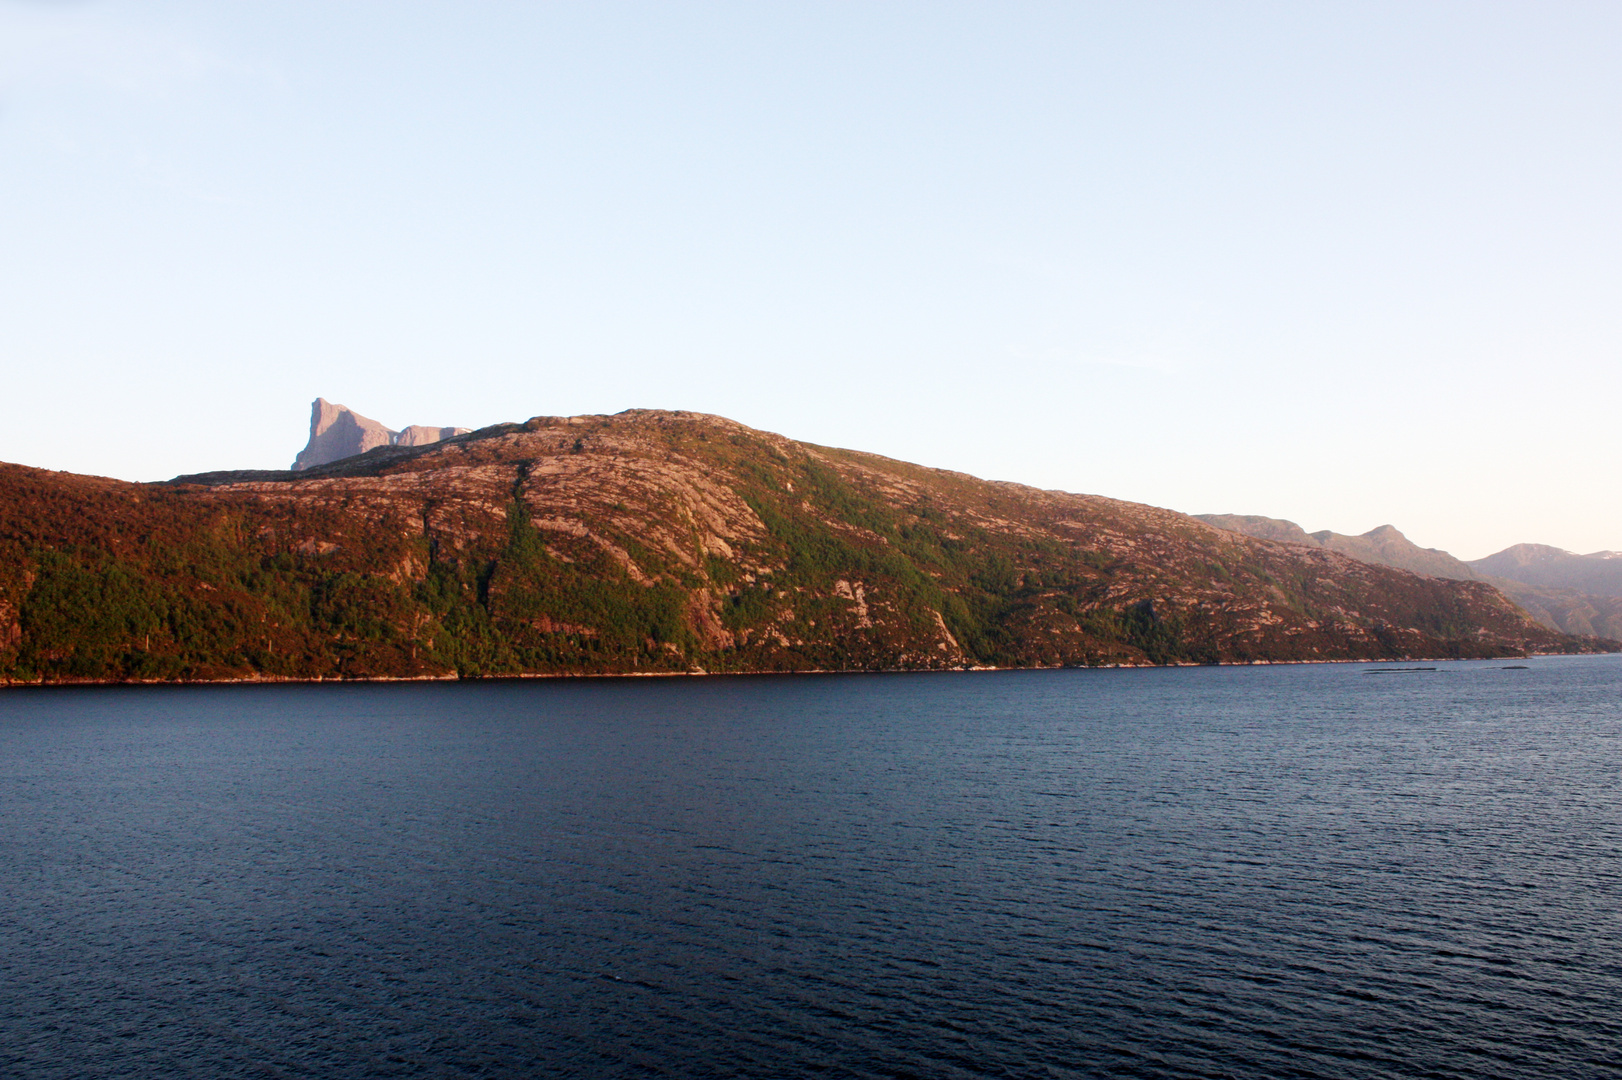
(1345, 263)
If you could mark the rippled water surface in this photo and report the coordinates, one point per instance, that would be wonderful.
(1302, 871)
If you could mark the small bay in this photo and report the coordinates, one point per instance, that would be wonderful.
(1250, 871)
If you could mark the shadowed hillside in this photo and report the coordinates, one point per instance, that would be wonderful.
(1579, 594)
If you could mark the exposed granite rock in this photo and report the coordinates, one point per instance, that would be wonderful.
(338, 432)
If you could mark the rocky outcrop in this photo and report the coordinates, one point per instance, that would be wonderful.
(338, 432)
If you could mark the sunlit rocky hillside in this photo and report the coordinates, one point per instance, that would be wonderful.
(670, 542)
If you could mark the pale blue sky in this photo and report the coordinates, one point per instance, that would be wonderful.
(1343, 263)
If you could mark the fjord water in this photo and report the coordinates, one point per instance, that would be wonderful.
(1292, 871)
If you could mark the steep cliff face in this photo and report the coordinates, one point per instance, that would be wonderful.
(338, 432)
(656, 541)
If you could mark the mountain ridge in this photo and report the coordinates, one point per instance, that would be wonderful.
(1383, 545)
(1573, 594)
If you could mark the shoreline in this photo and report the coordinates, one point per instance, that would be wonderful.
(452, 677)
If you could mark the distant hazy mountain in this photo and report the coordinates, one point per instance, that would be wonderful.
(1579, 594)
(337, 432)
(1263, 528)
(1575, 594)
(1599, 574)
(1383, 546)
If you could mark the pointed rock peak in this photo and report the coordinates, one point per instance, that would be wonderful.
(338, 432)
(323, 414)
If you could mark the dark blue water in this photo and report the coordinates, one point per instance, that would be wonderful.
(1285, 872)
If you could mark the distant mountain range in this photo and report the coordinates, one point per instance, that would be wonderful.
(656, 542)
(1384, 546)
(1575, 594)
